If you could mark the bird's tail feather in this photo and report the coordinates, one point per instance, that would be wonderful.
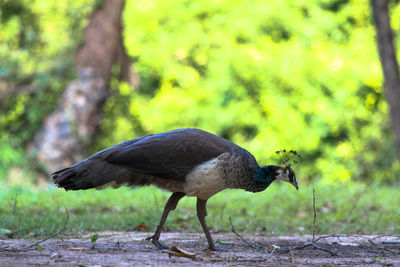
(90, 174)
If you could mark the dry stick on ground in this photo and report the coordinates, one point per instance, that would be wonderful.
(339, 236)
(395, 252)
(377, 237)
(272, 252)
(55, 234)
(312, 243)
(393, 242)
(48, 237)
(358, 236)
(329, 236)
(380, 236)
(244, 240)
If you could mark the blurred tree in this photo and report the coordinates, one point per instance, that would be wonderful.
(387, 54)
(270, 75)
(67, 132)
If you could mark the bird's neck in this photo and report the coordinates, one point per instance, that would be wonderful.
(262, 180)
(265, 176)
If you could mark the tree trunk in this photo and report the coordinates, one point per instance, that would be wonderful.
(66, 132)
(387, 54)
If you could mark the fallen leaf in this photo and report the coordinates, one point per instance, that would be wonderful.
(177, 252)
(77, 248)
(274, 246)
(140, 227)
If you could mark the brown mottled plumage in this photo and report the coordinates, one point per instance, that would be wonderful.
(187, 162)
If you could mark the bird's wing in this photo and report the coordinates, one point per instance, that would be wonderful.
(171, 155)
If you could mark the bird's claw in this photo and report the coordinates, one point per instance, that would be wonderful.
(148, 238)
(214, 248)
(157, 243)
(219, 250)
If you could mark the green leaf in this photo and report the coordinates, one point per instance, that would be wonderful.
(94, 238)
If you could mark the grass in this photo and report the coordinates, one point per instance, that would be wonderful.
(349, 209)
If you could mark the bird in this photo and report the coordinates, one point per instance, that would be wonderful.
(187, 162)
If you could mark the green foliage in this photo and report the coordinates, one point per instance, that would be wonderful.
(299, 74)
(94, 238)
(348, 208)
(37, 42)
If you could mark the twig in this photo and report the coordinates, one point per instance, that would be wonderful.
(308, 244)
(292, 257)
(328, 236)
(315, 216)
(380, 236)
(394, 242)
(244, 240)
(272, 252)
(55, 234)
(48, 237)
(312, 243)
(358, 236)
(395, 252)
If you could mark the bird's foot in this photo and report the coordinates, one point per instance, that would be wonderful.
(149, 238)
(214, 248)
(157, 243)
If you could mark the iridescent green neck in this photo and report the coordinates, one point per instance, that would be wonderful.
(264, 177)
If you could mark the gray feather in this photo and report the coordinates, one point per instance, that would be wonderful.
(155, 159)
(171, 154)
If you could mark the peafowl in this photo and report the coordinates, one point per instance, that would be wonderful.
(186, 162)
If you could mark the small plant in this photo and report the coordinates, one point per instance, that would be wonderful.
(93, 239)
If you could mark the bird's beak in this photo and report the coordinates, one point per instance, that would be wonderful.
(294, 183)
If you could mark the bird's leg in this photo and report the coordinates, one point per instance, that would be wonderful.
(171, 205)
(201, 207)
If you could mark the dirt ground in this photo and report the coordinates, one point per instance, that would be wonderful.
(130, 249)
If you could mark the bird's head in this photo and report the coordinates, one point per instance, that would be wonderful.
(282, 173)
